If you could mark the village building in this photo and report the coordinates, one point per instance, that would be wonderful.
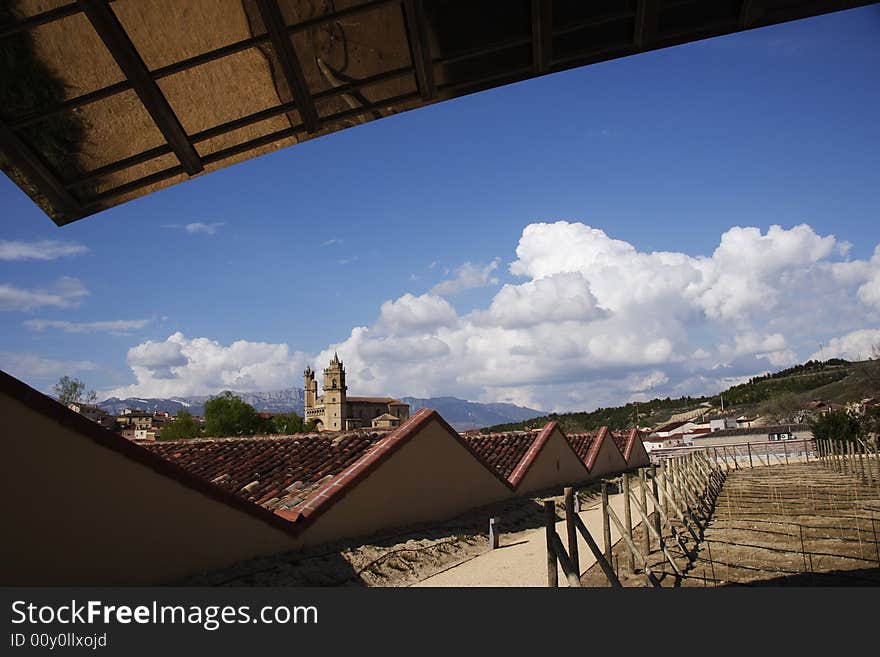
(90, 411)
(336, 411)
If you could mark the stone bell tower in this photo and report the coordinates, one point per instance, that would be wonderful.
(334, 395)
(310, 386)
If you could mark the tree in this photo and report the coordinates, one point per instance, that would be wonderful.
(782, 407)
(73, 391)
(871, 369)
(183, 426)
(288, 423)
(836, 425)
(227, 415)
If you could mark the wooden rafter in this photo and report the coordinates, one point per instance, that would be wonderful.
(128, 59)
(647, 12)
(417, 33)
(290, 65)
(38, 173)
(542, 35)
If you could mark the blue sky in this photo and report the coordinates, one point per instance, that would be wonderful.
(666, 151)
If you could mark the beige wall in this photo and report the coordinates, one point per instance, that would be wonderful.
(638, 457)
(431, 477)
(75, 513)
(555, 465)
(609, 460)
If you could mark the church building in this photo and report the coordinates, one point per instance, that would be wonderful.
(336, 411)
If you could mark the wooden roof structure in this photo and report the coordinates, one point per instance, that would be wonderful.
(104, 102)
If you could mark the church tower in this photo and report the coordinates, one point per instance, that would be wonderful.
(310, 386)
(334, 395)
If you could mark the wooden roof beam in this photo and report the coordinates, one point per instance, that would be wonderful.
(542, 35)
(128, 59)
(647, 13)
(290, 65)
(417, 34)
(23, 158)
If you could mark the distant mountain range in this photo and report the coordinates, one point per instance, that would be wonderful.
(461, 414)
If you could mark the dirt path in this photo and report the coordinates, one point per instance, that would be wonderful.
(521, 560)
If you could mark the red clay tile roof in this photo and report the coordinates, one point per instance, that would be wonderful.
(581, 444)
(278, 473)
(587, 445)
(625, 441)
(371, 400)
(503, 452)
(621, 439)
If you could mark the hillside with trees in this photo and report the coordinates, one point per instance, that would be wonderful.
(779, 395)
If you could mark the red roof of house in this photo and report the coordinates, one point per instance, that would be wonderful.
(276, 473)
(625, 441)
(502, 451)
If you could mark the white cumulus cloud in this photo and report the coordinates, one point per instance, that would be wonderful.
(180, 365)
(856, 345)
(467, 277)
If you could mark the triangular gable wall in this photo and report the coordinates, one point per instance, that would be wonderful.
(636, 455)
(553, 463)
(604, 458)
(424, 472)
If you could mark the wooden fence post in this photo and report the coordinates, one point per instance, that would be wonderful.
(572, 532)
(665, 473)
(627, 518)
(606, 523)
(550, 528)
(646, 537)
(749, 446)
(656, 492)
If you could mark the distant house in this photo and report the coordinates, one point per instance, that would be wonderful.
(655, 442)
(743, 422)
(385, 421)
(819, 407)
(722, 423)
(135, 419)
(89, 411)
(680, 427)
(148, 435)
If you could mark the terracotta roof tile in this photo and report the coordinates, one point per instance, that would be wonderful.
(277, 473)
(621, 439)
(587, 445)
(581, 444)
(502, 451)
